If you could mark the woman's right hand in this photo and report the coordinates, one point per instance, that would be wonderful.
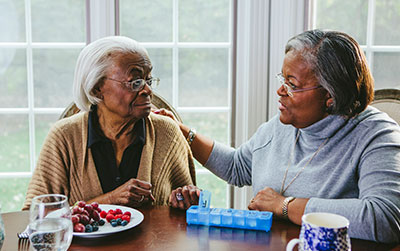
(184, 197)
(134, 193)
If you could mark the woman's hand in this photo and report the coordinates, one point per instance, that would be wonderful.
(134, 193)
(167, 113)
(184, 197)
(267, 200)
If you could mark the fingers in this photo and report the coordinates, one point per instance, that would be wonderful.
(184, 197)
(165, 112)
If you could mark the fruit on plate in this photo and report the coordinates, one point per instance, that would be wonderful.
(89, 217)
(86, 217)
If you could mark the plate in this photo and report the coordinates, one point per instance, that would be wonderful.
(136, 218)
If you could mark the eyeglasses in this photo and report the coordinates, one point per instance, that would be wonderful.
(290, 88)
(138, 84)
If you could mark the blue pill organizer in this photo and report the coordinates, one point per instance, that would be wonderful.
(233, 218)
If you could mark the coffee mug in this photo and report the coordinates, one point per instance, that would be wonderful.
(322, 231)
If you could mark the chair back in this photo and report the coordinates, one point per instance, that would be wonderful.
(388, 100)
(157, 102)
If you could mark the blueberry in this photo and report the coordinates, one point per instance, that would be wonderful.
(101, 222)
(124, 223)
(95, 223)
(88, 228)
(119, 221)
(95, 228)
(114, 223)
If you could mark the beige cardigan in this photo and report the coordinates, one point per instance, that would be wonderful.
(65, 165)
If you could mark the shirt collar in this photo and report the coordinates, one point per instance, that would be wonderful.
(94, 135)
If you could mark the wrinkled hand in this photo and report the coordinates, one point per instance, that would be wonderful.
(165, 112)
(190, 196)
(134, 193)
(267, 200)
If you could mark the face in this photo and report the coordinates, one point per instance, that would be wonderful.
(117, 98)
(304, 108)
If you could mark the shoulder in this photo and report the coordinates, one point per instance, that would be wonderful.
(373, 119)
(373, 124)
(71, 125)
(160, 122)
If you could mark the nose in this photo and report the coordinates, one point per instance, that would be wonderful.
(146, 89)
(282, 91)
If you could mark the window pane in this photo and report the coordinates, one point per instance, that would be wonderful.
(385, 70)
(53, 73)
(146, 21)
(387, 13)
(58, 21)
(213, 125)
(210, 182)
(343, 15)
(203, 75)
(12, 193)
(13, 86)
(162, 69)
(43, 123)
(204, 21)
(14, 143)
(12, 20)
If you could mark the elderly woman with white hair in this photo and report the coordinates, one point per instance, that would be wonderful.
(114, 151)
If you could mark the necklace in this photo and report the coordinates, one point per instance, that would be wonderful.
(290, 161)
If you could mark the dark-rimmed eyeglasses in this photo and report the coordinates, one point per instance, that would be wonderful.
(138, 84)
(293, 89)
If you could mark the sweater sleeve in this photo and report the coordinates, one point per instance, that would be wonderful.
(235, 165)
(51, 174)
(375, 214)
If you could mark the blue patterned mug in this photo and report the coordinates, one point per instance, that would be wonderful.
(322, 231)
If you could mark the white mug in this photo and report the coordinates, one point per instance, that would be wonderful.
(322, 231)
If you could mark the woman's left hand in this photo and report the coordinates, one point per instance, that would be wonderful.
(267, 200)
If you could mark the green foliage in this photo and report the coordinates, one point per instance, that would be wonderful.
(12, 193)
(343, 15)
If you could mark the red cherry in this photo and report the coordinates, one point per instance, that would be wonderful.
(118, 216)
(79, 227)
(95, 205)
(75, 219)
(118, 211)
(127, 213)
(111, 212)
(81, 203)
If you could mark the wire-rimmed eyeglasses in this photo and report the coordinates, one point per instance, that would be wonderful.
(138, 84)
(290, 89)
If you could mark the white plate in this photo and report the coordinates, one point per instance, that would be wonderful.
(136, 218)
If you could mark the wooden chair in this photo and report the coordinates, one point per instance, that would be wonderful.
(157, 102)
(388, 100)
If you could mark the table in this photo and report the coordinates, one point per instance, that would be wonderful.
(165, 229)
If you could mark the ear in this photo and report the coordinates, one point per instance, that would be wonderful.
(329, 102)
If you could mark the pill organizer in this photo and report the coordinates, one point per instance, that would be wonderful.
(232, 218)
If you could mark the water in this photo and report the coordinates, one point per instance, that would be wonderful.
(51, 234)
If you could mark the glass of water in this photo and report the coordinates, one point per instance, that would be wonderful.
(50, 222)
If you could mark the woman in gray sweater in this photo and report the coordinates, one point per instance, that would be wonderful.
(326, 151)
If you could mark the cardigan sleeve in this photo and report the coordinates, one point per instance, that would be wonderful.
(51, 172)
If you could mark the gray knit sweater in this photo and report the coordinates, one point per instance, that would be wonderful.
(355, 174)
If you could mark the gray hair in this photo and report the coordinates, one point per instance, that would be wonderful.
(93, 62)
(340, 66)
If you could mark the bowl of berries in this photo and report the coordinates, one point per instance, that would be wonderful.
(92, 220)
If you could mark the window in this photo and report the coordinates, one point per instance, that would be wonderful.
(38, 48)
(40, 45)
(189, 43)
(373, 24)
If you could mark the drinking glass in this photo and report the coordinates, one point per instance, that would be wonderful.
(2, 231)
(50, 222)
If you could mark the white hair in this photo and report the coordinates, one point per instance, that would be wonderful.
(93, 62)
